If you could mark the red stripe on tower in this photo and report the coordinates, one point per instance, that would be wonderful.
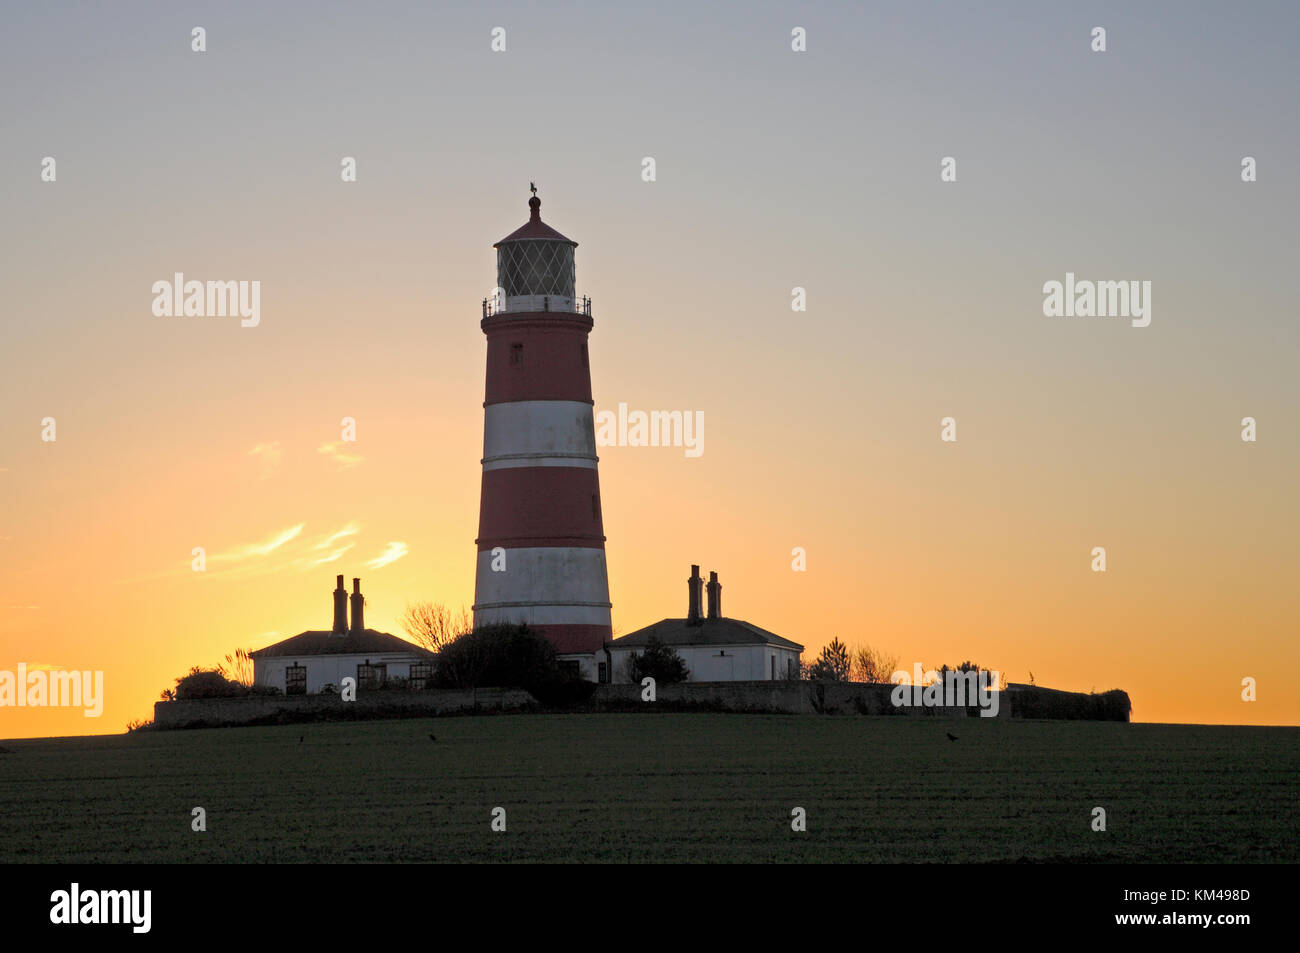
(541, 542)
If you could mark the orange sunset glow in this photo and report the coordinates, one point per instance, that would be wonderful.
(822, 426)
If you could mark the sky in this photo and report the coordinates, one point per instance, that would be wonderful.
(774, 170)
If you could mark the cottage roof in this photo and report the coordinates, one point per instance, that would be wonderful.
(321, 642)
(676, 632)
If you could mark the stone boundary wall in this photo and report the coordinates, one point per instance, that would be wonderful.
(780, 697)
(796, 698)
(267, 709)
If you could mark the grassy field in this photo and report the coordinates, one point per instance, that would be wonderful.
(658, 787)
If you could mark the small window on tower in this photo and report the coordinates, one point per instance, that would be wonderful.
(584, 354)
(516, 354)
(595, 507)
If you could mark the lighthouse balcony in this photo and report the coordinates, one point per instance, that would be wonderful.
(523, 304)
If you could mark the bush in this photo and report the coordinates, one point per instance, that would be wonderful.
(208, 683)
(562, 692)
(1038, 702)
(659, 661)
(508, 656)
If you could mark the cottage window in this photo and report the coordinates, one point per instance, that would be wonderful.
(421, 672)
(371, 676)
(295, 680)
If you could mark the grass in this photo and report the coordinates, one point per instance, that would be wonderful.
(658, 787)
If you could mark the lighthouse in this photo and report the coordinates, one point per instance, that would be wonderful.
(541, 541)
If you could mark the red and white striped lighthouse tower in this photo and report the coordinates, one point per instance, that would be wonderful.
(541, 543)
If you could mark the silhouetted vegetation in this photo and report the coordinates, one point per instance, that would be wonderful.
(659, 661)
(509, 656)
(212, 683)
(1037, 702)
(833, 665)
(433, 625)
(872, 665)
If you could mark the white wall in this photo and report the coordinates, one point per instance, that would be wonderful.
(740, 663)
(325, 670)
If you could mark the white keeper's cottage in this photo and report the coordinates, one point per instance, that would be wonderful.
(714, 648)
(307, 662)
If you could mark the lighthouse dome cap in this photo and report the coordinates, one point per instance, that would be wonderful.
(535, 229)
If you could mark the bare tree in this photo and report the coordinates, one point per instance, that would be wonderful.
(433, 625)
(872, 665)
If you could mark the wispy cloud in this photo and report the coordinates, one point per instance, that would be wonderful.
(269, 456)
(23, 607)
(340, 452)
(253, 550)
(394, 552)
(329, 557)
(350, 530)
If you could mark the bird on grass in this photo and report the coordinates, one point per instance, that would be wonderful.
(300, 738)
(951, 736)
(432, 736)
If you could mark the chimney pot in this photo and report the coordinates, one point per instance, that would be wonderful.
(715, 596)
(358, 607)
(340, 608)
(693, 596)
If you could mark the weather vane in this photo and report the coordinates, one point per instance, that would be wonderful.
(533, 186)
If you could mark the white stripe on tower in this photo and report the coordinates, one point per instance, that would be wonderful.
(539, 433)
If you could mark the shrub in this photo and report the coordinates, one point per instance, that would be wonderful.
(208, 683)
(659, 661)
(507, 656)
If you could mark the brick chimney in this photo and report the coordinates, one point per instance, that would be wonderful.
(715, 596)
(693, 597)
(358, 606)
(340, 608)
